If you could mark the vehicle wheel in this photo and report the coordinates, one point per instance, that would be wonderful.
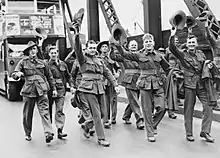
(12, 93)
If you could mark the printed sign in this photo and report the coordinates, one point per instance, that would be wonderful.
(12, 25)
(25, 25)
(42, 22)
(58, 25)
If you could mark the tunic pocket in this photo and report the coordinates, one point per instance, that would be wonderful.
(86, 85)
(28, 87)
(127, 78)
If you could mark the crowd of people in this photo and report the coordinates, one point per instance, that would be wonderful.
(154, 77)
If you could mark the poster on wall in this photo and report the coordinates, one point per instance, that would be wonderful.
(12, 25)
(45, 22)
(25, 24)
(58, 25)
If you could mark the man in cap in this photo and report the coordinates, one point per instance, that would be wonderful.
(110, 93)
(149, 82)
(91, 89)
(192, 61)
(132, 72)
(61, 76)
(37, 75)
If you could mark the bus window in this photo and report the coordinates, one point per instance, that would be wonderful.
(21, 6)
(48, 7)
(16, 50)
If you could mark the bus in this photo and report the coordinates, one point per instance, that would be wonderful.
(18, 21)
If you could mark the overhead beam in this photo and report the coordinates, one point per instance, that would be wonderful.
(152, 19)
(93, 20)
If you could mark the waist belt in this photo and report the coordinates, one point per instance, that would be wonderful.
(132, 71)
(58, 80)
(33, 77)
(149, 72)
(92, 76)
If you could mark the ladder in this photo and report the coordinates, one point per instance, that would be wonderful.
(197, 8)
(77, 18)
(109, 13)
(111, 19)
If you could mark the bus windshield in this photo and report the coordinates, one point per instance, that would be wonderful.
(16, 50)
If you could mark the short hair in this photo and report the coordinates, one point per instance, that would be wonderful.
(53, 47)
(90, 42)
(190, 36)
(148, 36)
(132, 41)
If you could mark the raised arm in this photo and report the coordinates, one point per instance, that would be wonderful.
(165, 65)
(126, 54)
(107, 74)
(74, 73)
(176, 51)
(114, 56)
(210, 38)
(78, 50)
(68, 76)
(69, 57)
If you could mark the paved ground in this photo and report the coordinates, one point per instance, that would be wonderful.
(126, 141)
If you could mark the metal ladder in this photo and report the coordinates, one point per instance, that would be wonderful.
(109, 13)
(197, 7)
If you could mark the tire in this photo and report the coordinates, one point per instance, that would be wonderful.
(12, 94)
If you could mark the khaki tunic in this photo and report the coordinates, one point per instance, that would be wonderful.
(35, 84)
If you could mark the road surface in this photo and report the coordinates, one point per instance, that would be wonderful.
(126, 140)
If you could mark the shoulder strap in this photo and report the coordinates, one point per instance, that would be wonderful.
(39, 73)
(192, 66)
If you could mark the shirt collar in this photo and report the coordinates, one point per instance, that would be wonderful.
(148, 53)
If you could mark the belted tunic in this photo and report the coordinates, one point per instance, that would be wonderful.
(93, 70)
(37, 75)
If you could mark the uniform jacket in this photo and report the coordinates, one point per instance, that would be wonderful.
(61, 76)
(132, 70)
(192, 64)
(93, 70)
(35, 83)
(208, 78)
(111, 65)
(174, 80)
(150, 65)
(76, 74)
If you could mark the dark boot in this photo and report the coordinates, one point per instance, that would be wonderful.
(49, 137)
(207, 137)
(60, 134)
(28, 138)
(85, 131)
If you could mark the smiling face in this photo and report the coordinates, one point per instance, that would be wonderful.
(191, 43)
(133, 46)
(149, 44)
(33, 51)
(53, 53)
(91, 49)
(104, 48)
